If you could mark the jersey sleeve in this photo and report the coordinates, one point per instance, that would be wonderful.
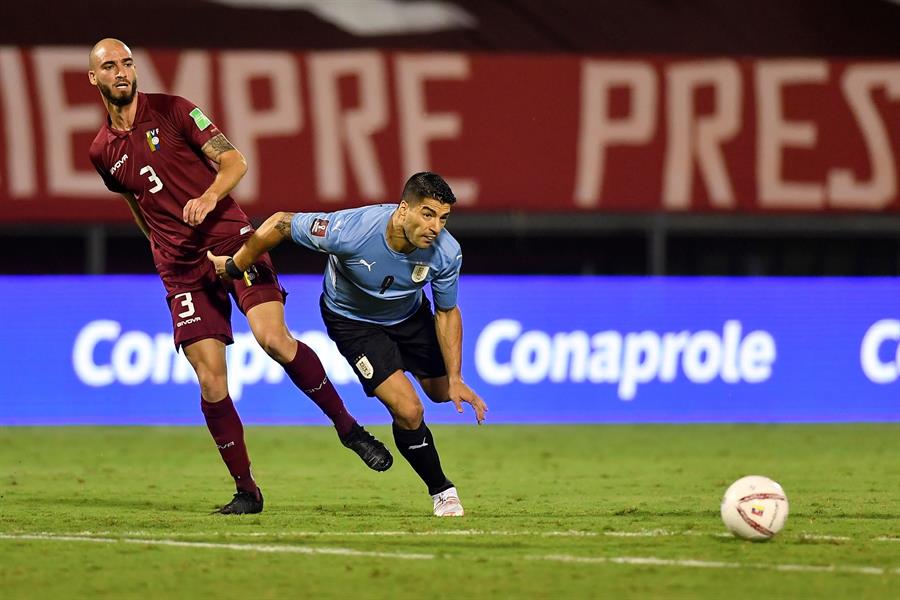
(193, 124)
(108, 180)
(445, 285)
(316, 231)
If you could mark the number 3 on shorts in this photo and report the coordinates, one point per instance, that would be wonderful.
(187, 303)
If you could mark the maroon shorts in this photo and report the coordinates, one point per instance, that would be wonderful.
(206, 312)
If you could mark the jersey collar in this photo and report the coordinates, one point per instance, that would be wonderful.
(141, 116)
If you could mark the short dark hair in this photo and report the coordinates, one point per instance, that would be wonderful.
(427, 185)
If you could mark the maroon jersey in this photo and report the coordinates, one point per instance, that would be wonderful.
(160, 161)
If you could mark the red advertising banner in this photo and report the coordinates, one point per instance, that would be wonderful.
(529, 132)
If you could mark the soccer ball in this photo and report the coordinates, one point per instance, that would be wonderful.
(754, 508)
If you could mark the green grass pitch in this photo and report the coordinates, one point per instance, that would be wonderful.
(551, 512)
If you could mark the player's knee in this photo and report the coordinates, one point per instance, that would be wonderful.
(409, 415)
(277, 344)
(213, 387)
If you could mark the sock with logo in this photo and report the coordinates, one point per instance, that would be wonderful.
(417, 447)
(308, 374)
(225, 426)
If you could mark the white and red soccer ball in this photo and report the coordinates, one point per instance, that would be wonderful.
(754, 508)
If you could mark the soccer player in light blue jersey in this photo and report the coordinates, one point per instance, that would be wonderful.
(374, 306)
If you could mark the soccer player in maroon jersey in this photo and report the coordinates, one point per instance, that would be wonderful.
(156, 151)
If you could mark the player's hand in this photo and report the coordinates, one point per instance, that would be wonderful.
(196, 209)
(460, 392)
(219, 263)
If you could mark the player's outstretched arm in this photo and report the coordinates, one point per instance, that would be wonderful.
(272, 232)
(136, 211)
(232, 166)
(448, 325)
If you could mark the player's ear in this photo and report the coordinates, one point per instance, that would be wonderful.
(92, 77)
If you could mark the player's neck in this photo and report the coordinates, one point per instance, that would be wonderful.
(396, 238)
(122, 117)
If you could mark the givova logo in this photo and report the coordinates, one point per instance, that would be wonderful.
(118, 164)
(504, 354)
(105, 355)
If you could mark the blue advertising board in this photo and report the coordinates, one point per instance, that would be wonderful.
(98, 350)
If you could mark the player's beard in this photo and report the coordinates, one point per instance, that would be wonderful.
(119, 101)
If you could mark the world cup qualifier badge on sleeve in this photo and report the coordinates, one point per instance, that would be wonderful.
(201, 120)
(318, 227)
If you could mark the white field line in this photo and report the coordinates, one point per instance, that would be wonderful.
(708, 564)
(398, 533)
(826, 538)
(643, 533)
(616, 560)
(218, 546)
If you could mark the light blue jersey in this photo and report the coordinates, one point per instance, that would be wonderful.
(368, 281)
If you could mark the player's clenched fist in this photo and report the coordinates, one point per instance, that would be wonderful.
(219, 263)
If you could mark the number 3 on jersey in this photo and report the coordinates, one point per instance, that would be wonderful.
(158, 184)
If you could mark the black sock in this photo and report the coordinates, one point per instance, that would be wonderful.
(417, 447)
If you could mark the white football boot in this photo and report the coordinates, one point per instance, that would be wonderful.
(447, 504)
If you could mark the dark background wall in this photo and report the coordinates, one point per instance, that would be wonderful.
(690, 244)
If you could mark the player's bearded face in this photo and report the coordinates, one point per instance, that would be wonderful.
(118, 94)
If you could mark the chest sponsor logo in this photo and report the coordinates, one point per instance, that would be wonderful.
(118, 164)
(318, 227)
(153, 139)
(365, 367)
(419, 273)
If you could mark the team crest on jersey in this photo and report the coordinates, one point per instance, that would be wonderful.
(365, 367)
(420, 272)
(318, 227)
(153, 139)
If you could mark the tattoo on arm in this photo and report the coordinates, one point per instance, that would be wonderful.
(283, 226)
(216, 146)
